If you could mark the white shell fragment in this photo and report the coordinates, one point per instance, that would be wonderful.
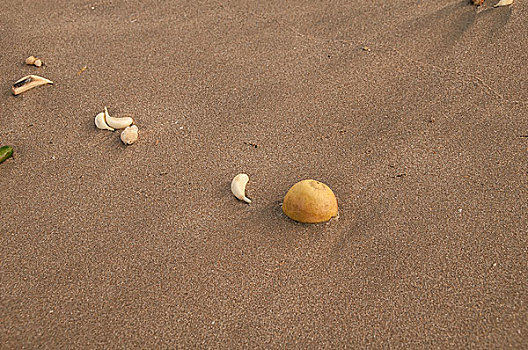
(28, 82)
(32, 60)
(503, 3)
(117, 123)
(100, 122)
(129, 135)
(238, 187)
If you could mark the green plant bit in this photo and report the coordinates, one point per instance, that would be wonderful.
(5, 152)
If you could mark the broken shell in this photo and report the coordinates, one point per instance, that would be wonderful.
(503, 3)
(101, 123)
(310, 201)
(32, 60)
(129, 135)
(238, 187)
(117, 123)
(28, 82)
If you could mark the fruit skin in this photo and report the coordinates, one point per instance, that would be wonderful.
(5, 152)
(310, 201)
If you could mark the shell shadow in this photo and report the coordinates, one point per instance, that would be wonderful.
(435, 33)
(493, 19)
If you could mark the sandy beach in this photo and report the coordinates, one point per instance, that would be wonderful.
(415, 113)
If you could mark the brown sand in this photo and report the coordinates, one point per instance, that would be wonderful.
(422, 137)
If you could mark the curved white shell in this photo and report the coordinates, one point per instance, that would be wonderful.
(101, 123)
(129, 135)
(238, 187)
(28, 82)
(117, 123)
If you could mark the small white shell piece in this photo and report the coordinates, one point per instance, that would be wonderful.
(503, 3)
(101, 123)
(238, 187)
(117, 123)
(32, 60)
(129, 135)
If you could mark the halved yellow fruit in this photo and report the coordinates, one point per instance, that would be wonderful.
(310, 201)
